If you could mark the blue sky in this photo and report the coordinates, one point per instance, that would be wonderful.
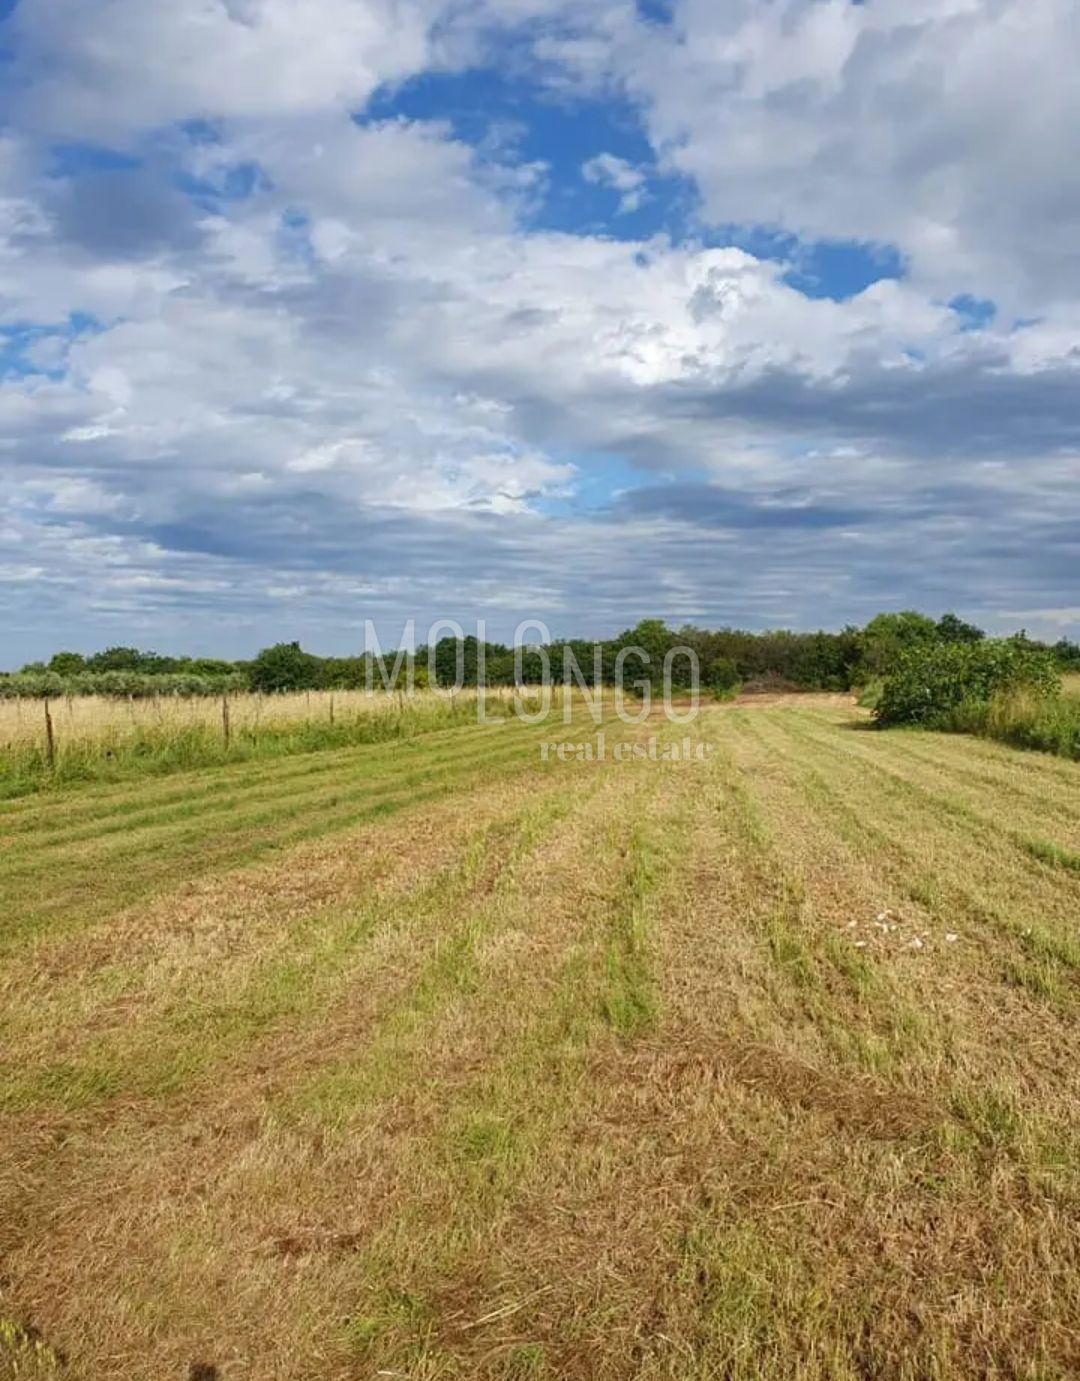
(314, 311)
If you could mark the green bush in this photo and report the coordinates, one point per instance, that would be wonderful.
(940, 685)
(869, 696)
(136, 685)
(722, 676)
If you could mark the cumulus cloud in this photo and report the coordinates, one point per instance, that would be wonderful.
(947, 127)
(113, 70)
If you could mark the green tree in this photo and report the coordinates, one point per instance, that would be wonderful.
(67, 663)
(210, 666)
(1067, 654)
(886, 636)
(655, 640)
(285, 667)
(951, 629)
(720, 675)
(117, 659)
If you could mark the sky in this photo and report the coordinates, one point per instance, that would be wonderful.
(750, 312)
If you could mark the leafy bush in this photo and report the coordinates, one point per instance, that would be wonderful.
(722, 676)
(134, 685)
(869, 696)
(941, 684)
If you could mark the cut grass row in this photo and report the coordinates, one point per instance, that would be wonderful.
(1026, 902)
(159, 1042)
(71, 877)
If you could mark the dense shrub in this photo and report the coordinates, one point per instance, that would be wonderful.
(133, 685)
(721, 676)
(941, 684)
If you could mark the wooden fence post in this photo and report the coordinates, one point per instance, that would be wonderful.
(331, 708)
(225, 727)
(50, 737)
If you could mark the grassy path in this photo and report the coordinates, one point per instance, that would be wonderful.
(438, 1061)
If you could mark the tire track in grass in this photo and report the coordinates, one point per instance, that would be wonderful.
(296, 921)
(858, 1012)
(953, 822)
(1005, 1080)
(115, 757)
(624, 940)
(952, 754)
(101, 801)
(93, 800)
(1032, 814)
(859, 1003)
(934, 781)
(201, 1031)
(90, 825)
(747, 1214)
(83, 897)
(506, 1185)
(893, 934)
(403, 921)
(458, 1180)
(1024, 762)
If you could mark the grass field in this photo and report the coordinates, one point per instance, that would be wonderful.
(78, 739)
(431, 1059)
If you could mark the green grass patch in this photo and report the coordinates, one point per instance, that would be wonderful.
(1053, 854)
(24, 1354)
(629, 1001)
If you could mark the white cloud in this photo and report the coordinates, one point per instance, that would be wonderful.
(121, 66)
(948, 127)
(608, 170)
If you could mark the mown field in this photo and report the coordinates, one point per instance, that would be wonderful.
(430, 1059)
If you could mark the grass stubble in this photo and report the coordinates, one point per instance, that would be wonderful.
(757, 1067)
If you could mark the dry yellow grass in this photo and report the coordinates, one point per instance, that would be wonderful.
(83, 720)
(496, 1068)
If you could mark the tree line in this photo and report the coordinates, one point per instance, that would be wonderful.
(726, 658)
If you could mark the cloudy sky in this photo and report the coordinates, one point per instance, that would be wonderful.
(751, 311)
